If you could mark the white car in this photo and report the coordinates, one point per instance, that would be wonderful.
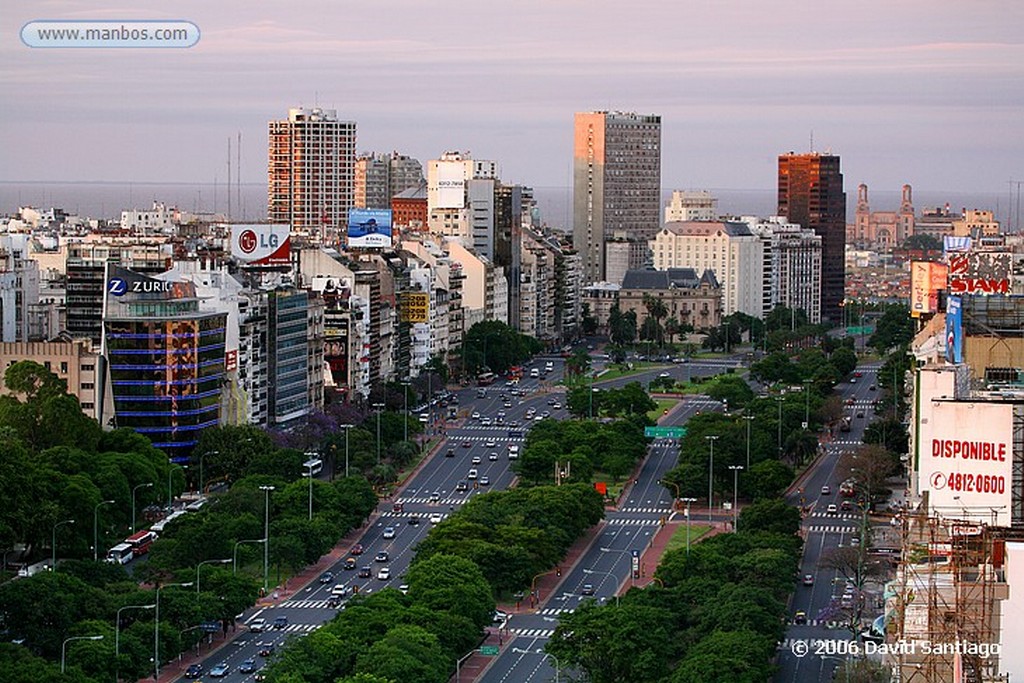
(389, 532)
(476, 460)
(258, 625)
(384, 574)
(472, 474)
(492, 456)
(475, 415)
(436, 518)
(490, 443)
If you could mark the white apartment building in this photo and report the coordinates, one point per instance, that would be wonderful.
(485, 287)
(691, 205)
(448, 187)
(158, 219)
(792, 265)
(729, 249)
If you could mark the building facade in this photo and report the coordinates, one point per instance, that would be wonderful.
(379, 177)
(689, 299)
(311, 173)
(882, 230)
(810, 192)
(616, 184)
(691, 205)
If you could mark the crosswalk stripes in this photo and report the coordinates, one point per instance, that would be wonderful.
(831, 529)
(556, 610)
(845, 516)
(633, 522)
(653, 511)
(533, 632)
(301, 628)
(305, 604)
(470, 437)
(444, 515)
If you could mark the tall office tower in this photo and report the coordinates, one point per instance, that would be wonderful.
(616, 185)
(311, 173)
(811, 194)
(379, 177)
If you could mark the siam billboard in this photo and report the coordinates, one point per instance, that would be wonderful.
(980, 272)
(261, 244)
(414, 307)
(954, 330)
(451, 185)
(926, 280)
(369, 228)
(966, 462)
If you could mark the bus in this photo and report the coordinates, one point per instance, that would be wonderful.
(159, 527)
(312, 467)
(120, 554)
(515, 372)
(485, 379)
(140, 542)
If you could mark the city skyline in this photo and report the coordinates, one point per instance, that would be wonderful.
(917, 93)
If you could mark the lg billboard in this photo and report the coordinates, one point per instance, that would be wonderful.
(261, 244)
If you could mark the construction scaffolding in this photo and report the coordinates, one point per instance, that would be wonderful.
(945, 600)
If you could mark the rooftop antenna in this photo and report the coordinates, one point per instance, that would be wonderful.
(812, 140)
(229, 179)
(238, 175)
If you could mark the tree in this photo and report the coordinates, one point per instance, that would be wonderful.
(406, 653)
(895, 328)
(733, 656)
(622, 327)
(453, 584)
(922, 242)
(773, 515)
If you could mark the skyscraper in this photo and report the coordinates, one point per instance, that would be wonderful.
(811, 195)
(616, 185)
(311, 173)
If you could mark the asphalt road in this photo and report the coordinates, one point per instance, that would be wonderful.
(806, 654)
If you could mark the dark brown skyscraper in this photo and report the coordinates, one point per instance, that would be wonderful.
(811, 194)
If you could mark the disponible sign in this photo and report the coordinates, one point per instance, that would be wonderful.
(968, 461)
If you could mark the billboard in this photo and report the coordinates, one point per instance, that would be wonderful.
(967, 460)
(954, 330)
(369, 228)
(415, 307)
(980, 272)
(451, 185)
(926, 280)
(261, 244)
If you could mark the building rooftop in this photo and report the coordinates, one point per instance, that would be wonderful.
(708, 228)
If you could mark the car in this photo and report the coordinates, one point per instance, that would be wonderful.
(194, 671)
(485, 421)
(258, 625)
(490, 443)
(247, 667)
(326, 577)
(435, 497)
(538, 417)
(858, 374)
(546, 413)
(265, 649)
(499, 617)
(472, 474)
(357, 549)
(389, 532)
(557, 406)
(492, 456)
(403, 589)
(436, 518)
(340, 590)
(871, 388)
(398, 507)
(382, 556)
(808, 579)
(551, 401)
(461, 486)
(826, 490)
(450, 453)
(587, 589)
(846, 506)
(365, 572)
(384, 574)
(853, 380)
(467, 444)
(849, 401)
(832, 509)
(334, 601)
(476, 460)
(664, 375)
(220, 671)
(350, 563)
(800, 618)
(414, 520)
(280, 622)
(475, 415)
(854, 541)
(485, 481)
(860, 413)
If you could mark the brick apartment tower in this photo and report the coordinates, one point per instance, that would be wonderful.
(616, 184)
(311, 173)
(811, 194)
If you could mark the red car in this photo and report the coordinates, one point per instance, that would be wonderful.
(357, 549)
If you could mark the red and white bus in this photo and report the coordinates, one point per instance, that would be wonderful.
(140, 542)
(120, 554)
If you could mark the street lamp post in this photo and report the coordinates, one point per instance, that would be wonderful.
(201, 456)
(591, 395)
(378, 406)
(748, 419)
(148, 485)
(346, 428)
(711, 473)
(405, 400)
(95, 528)
(614, 578)
(309, 473)
(735, 488)
(807, 402)
(63, 647)
(170, 496)
(687, 513)
(266, 534)
(53, 566)
(156, 626)
(234, 553)
(520, 651)
(779, 400)
(199, 566)
(117, 636)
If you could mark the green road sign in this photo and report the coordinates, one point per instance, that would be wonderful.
(489, 650)
(665, 432)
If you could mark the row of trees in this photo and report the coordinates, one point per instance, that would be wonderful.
(580, 449)
(491, 345)
(715, 614)
(514, 535)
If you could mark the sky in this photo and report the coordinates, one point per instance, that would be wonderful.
(907, 91)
